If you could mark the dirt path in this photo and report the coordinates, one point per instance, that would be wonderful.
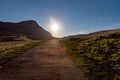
(43, 62)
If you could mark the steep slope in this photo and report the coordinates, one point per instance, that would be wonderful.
(27, 28)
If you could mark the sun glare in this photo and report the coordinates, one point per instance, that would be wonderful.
(55, 27)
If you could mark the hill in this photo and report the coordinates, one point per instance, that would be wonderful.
(97, 54)
(96, 34)
(28, 28)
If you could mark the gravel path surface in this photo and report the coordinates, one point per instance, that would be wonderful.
(43, 62)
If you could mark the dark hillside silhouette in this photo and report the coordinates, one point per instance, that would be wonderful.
(28, 28)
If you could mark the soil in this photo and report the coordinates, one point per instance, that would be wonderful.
(45, 61)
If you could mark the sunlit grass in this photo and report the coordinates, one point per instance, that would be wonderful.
(7, 45)
(11, 53)
(97, 57)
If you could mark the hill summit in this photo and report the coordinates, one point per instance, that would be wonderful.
(28, 28)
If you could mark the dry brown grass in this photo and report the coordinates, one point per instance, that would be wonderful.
(7, 45)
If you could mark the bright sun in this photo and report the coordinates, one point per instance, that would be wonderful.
(55, 27)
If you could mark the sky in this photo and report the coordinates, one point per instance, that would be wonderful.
(73, 16)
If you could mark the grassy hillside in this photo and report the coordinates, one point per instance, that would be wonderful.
(19, 41)
(96, 34)
(7, 45)
(10, 50)
(98, 57)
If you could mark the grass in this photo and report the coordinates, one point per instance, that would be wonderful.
(7, 45)
(13, 52)
(99, 58)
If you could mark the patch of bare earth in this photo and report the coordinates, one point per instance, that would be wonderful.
(43, 62)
